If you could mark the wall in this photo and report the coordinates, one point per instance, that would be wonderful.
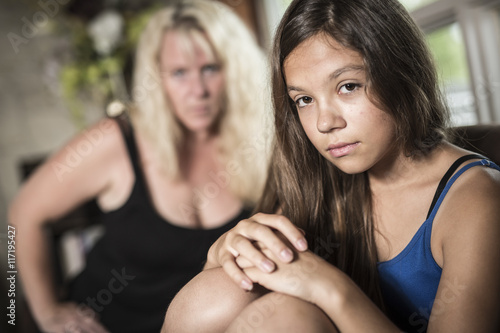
(33, 118)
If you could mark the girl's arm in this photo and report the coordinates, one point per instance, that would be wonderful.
(78, 172)
(468, 296)
(314, 280)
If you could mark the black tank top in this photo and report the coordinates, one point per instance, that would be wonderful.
(142, 260)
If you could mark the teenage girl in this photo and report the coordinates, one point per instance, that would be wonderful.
(371, 220)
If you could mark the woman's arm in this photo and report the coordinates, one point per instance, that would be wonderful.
(78, 172)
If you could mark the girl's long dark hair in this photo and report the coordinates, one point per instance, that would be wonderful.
(334, 208)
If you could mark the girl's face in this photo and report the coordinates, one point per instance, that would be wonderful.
(327, 83)
(192, 79)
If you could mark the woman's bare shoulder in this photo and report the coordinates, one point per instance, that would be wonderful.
(81, 169)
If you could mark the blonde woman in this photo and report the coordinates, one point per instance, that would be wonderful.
(188, 166)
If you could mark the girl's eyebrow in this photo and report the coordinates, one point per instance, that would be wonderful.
(348, 68)
(334, 75)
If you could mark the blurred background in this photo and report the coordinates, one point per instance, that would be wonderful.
(63, 61)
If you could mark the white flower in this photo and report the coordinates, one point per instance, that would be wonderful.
(106, 31)
(115, 108)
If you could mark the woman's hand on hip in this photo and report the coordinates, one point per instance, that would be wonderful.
(70, 317)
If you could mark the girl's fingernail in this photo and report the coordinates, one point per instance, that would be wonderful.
(267, 266)
(302, 244)
(247, 285)
(286, 254)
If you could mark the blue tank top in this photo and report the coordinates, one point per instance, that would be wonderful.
(409, 281)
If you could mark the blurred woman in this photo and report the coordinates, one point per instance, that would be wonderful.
(187, 167)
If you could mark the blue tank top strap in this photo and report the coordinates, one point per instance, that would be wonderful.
(447, 177)
(484, 162)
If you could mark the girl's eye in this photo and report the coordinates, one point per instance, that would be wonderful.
(303, 101)
(348, 88)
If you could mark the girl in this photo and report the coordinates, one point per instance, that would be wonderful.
(401, 226)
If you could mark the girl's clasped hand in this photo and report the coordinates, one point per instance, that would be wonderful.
(262, 241)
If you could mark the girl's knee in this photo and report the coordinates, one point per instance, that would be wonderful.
(276, 312)
(208, 303)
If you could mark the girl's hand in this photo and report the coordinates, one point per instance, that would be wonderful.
(69, 317)
(305, 277)
(241, 242)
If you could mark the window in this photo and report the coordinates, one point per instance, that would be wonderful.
(415, 4)
(448, 49)
(470, 74)
(285, 3)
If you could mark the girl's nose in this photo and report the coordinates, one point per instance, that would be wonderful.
(329, 119)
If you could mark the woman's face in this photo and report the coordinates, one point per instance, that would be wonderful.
(327, 83)
(192, 79)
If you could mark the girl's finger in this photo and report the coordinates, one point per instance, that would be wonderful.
(235, 273)
(279, 222)
(247, 250)
(243, 263)
(267, 236)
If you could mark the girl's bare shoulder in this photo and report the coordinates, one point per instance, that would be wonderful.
(472, 204)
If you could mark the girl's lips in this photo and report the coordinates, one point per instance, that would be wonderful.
(342, 149)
